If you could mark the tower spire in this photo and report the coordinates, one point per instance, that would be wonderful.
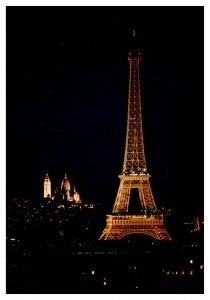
(134, 33)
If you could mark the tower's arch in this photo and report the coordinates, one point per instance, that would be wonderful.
(142, 232)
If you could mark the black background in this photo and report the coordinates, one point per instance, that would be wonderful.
(66, 92)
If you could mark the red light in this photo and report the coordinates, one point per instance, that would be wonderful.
(129, 53)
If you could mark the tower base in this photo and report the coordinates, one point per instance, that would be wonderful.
(118, 227)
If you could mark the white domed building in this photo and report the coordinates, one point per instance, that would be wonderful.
(66, 187)
(64, 192)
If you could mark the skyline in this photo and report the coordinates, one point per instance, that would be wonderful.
(64, 76)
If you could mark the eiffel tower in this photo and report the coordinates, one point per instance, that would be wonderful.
(134, 174)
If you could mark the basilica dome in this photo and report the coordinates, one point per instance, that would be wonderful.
(65, 184)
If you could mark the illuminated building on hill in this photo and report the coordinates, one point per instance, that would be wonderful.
(47, 186)
(65, 190)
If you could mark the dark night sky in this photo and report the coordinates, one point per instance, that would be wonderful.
(67, 86)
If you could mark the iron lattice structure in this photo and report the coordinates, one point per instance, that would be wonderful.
(134, 150)
(134, 173)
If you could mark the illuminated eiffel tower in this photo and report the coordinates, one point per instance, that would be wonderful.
(134, 174)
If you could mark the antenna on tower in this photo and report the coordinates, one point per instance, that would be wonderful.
(134, 33)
